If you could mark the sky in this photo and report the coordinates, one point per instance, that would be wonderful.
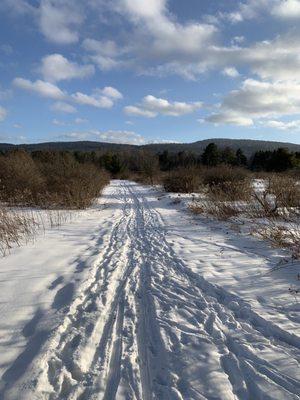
(144, 71)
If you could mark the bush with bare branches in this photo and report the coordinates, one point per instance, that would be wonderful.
(227, 183)
(182, 180)
(279, 197)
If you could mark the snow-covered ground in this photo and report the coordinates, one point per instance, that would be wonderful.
(137, 298)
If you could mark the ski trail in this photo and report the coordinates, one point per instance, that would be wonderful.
(146, 327)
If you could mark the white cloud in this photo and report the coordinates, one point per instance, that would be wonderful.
(229, 118)
(63, 107)
(154, 41)
(42, 88)
(100, 98)
(277, 59)
(125, 137)
(257, 100)
(58, 122)
(287, 9)
(3, 113)
(59, 20)
(139, 112)
(237, 40)
(112, 92)
(152, 106)
(92, 100)
(282, 125)
(79, 121)
(56, 67)
(231, 72)
(76, 121)
(12, 138)
(105, 54)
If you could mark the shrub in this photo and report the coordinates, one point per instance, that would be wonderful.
(183, 180)
(70, 184)
(286, 191)
(220, 210)
(280, 197)
(50, 180)
(227, 183)
(21, 181)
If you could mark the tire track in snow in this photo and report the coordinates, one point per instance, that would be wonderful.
(146, 327)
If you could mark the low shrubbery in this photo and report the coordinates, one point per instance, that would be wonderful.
(226, 183)
(183, 180)
(49, 180)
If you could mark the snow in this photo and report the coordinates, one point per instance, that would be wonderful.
(137, 298)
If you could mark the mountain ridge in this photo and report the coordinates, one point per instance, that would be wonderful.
(249, 146)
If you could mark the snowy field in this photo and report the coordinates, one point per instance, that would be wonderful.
(136, 298)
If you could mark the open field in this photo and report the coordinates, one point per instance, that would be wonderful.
(138, 298)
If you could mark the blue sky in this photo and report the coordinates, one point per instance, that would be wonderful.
(139, 71)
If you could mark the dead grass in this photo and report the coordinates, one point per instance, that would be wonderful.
(15, 228)
(280, 198)
(219, 210)
(281, 236)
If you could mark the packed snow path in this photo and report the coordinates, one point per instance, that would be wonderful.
(143, 325)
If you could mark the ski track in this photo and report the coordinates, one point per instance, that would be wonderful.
(144, 327)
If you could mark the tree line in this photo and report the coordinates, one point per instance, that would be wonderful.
(121, 162)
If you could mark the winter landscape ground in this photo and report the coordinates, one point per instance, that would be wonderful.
(137, 298)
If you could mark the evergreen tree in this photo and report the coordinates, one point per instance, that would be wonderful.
(211, 155)
(241, 159)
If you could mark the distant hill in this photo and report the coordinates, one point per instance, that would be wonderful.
(248, 146)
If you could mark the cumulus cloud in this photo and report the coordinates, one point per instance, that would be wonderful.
(139, 112)
(152, 106)
(92, 100)
(3, 113)
(112, 92)
(42, 88)
(56, 67)
(258, 99)
(277, 59)
(155, 41)
(100, 98)
(63, 107)
(59, 20)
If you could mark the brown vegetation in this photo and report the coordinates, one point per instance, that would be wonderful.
(49, 180)
(182, 180)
